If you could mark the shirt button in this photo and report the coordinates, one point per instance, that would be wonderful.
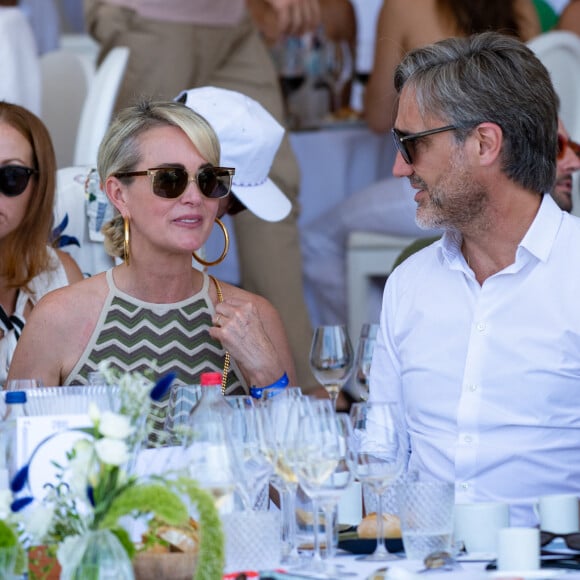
(465, 486)
(471, 387)
(481, 326)
(467, 438)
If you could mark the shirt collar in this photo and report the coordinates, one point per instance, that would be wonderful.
(538, 240)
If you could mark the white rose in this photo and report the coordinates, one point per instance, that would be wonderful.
(115, 426)
(112, 451)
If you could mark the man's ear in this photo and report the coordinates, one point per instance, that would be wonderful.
(116, 192)
(490, 140)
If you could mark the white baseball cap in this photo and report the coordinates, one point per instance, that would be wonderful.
(249, 138)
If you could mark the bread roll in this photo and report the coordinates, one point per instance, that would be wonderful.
(368, 526)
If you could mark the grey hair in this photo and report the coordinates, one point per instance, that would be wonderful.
(490, 77)
(120, 149)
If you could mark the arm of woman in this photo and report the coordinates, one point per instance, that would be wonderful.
(49, 335)
(251, 330)
(73, 272)
(380, 96)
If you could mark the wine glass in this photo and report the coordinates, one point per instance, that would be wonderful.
(378, 457)
(312, 449)
(364, 357)
(338, 67)
(290, 59)
(331, 358)
(276, 413)
(249, 443)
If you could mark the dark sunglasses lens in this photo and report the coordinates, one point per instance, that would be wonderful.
(562, 143)
(573, 541)
(546, 538)
(14, 179)
(169, 183)
(401, 147)
(213, 184)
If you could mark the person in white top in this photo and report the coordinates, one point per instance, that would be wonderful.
(479, 339)
(29, 267)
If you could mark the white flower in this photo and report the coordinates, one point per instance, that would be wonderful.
(115, 426)
(80, 466)
(37, 520)
(112, 451)
(94, 413)
(5, 501)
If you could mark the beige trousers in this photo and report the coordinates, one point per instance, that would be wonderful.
(167, 58)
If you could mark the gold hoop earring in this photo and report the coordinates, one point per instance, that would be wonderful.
(226, 247)
(126, 252)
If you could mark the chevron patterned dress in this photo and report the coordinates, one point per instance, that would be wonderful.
(156, 338)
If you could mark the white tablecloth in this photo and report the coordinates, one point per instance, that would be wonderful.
(334, 163)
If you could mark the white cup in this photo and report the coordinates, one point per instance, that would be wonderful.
(559, 513)
(477, 525)
(518, 549)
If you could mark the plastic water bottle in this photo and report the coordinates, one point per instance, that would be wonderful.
(15, 407)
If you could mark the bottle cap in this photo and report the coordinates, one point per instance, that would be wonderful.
(211, 379)
(15, 397)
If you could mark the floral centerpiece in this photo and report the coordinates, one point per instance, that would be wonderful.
(96, 489)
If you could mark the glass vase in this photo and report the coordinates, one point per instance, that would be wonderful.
(98, 555)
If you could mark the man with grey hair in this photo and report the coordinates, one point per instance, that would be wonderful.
(485, 368)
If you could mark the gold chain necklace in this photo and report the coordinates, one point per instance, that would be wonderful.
(226, 370)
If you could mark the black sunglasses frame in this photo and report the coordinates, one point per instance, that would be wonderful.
(216, 173)
(401, 139)
(572, 540)
(14, 190)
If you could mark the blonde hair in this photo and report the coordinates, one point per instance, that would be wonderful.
(120, 149)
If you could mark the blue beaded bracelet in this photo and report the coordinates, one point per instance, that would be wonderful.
(273, 389)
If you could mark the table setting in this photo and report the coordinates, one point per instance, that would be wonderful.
(244, 487)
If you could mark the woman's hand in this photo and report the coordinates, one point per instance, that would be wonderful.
(251, 331)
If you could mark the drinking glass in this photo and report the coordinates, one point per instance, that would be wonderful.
(331, 358)
(275, 416)
(312, 448)
(364, 357)
(378, 457)
(290, 59)
(249, 444)
(338, 67)
(23, 384)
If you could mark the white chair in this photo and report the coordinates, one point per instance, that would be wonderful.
(559, 52)
(98, 107)
(72, 207)
(65, 83)
(368, 256)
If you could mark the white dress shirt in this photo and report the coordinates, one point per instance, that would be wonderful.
(489, 376)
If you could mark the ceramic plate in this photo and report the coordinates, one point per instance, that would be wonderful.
(350, 542)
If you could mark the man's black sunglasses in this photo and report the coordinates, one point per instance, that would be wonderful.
(14, 179)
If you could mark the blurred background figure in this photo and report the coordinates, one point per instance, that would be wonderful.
(181, 44)
(570, 17)
(387, 207)
(19, 62)
(567, 163)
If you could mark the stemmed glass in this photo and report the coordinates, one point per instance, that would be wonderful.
(290, 60)
(313, 450)
(364, 357)
(249, 443)
(331, 358)
(276, 413)
(338, 69)
(378, 457)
